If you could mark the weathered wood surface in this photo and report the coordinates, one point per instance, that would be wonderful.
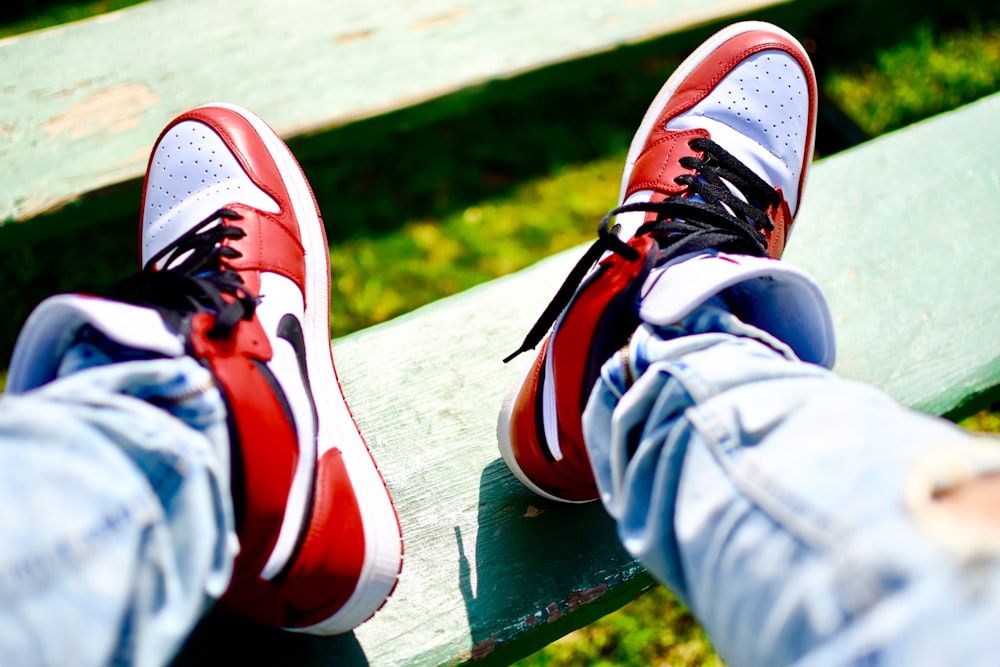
(81, 104)
(900, 232)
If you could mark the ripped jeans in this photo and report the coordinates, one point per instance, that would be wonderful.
(117, 527)
(794, 512)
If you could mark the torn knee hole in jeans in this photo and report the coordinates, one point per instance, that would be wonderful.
(953, 493)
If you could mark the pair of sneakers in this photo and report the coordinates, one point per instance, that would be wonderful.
(235, 273)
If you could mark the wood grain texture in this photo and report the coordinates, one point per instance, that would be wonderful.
(81, 104)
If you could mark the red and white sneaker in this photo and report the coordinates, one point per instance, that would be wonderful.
(711, 186)
(235, 272)
(321, 546)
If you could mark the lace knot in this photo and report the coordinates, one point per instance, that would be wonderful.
(709, 216)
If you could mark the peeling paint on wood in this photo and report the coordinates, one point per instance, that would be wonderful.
(587, 596)
(532, 512)
(483, 648)
(110, 111)
(353, 37)
(440, 19)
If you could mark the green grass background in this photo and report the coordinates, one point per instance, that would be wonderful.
(429, 202)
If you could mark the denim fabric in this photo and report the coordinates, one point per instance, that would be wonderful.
(118, 527)
(793, 511)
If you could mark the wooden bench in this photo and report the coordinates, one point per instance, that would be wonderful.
(493, 572)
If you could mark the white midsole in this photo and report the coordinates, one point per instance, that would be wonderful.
(506, 444)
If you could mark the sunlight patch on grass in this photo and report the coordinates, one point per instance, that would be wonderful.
(652, 630)
(377, 278)
(920, 77)
(984, 421)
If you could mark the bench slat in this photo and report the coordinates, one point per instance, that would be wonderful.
(81, 104)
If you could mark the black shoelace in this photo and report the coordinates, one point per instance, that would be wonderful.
(193, 278)
(722, 221)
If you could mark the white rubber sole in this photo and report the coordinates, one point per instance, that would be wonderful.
(506, 446)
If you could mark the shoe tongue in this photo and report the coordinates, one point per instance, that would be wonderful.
(53, 328)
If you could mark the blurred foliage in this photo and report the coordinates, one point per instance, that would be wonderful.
(19, 16)
(420, 212)
(481, 201)
(653, 630)
(924, 75)
(984, 421)
(376, 278)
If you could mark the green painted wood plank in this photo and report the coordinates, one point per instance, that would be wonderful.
(904, 235)
(901, 234)
(81, 104)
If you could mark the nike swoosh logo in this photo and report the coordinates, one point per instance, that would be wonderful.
(290, 329)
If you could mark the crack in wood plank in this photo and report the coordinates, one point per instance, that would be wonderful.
(353, 37)
(440, 19)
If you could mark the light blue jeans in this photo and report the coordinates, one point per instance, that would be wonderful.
(117, 526)
(793, 511)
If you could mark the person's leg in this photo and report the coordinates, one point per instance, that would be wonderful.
(799, 515)
(118, 528)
